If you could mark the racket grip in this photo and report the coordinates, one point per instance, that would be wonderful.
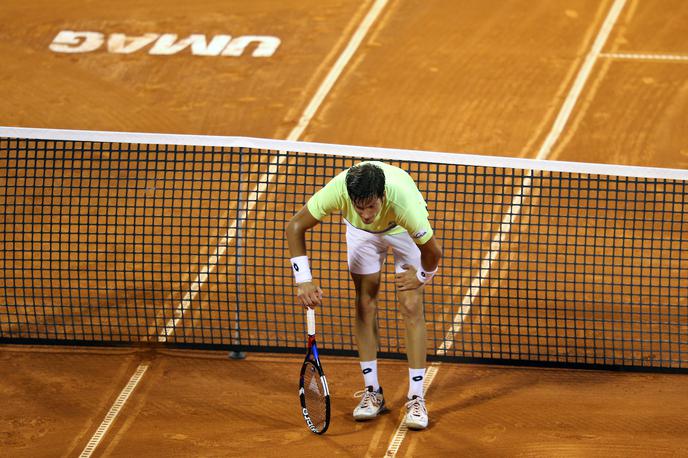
(310, 319)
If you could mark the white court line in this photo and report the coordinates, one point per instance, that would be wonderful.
(402, 429)
(265, 179)
(640, 56)
(325, 87)
(515, 208)
(581, 79)
(486, 264)
(114, 411)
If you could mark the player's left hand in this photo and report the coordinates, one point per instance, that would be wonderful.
(407, 279)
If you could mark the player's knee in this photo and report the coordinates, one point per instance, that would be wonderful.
(365, 306)
(411, 308)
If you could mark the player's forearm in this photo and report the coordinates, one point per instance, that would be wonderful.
(430, 255)
(430, 261)
(296, 238)
(310, 295)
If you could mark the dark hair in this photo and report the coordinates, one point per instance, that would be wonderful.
(365, 181)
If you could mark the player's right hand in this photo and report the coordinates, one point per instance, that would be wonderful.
(310, 294)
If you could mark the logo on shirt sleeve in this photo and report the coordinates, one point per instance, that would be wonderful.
(420, 234)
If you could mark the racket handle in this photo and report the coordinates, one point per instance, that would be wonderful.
(310, 319)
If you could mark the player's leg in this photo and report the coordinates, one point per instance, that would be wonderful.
(411, 305)
(367, 288)
(372, 400)
(411, 308)
(365, 257)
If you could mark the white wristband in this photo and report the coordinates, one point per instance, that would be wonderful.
(301, 269)
(425, 277)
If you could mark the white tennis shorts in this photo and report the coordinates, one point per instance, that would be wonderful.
(367, 252)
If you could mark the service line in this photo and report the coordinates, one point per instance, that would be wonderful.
(641, 56)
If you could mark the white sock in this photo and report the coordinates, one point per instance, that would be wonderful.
(369, 369)
(416, 377)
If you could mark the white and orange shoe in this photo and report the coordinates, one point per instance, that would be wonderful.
(416, 413)
(372, 404)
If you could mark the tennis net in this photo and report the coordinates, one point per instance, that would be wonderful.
(142, 239)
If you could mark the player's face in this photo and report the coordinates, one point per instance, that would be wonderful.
(368, 209)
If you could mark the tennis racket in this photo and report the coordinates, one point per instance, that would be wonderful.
(313, 390)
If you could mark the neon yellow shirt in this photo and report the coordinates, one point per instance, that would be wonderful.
(403, 208)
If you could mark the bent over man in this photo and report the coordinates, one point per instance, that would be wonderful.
(382, 209)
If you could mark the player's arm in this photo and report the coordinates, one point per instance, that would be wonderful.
(309, 294)
(414, 218)
(430, 255)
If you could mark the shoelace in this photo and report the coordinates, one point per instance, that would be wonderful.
(416, 406)
(368, 397)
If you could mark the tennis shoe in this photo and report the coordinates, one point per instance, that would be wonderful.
(416, 413)
(372, 404)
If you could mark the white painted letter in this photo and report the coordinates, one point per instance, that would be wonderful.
(121, 44)
(266, 45)
(168, 44)
(217, 44)
(72, 42)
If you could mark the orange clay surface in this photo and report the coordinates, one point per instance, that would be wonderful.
(475, 76)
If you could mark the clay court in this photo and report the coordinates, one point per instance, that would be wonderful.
(582, 81)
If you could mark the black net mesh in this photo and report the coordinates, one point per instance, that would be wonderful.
(123, 243)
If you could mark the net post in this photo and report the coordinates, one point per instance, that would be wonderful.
(237, 354)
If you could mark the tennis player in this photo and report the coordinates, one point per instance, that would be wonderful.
(382, 209)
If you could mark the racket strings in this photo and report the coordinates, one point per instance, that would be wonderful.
(314, 393)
